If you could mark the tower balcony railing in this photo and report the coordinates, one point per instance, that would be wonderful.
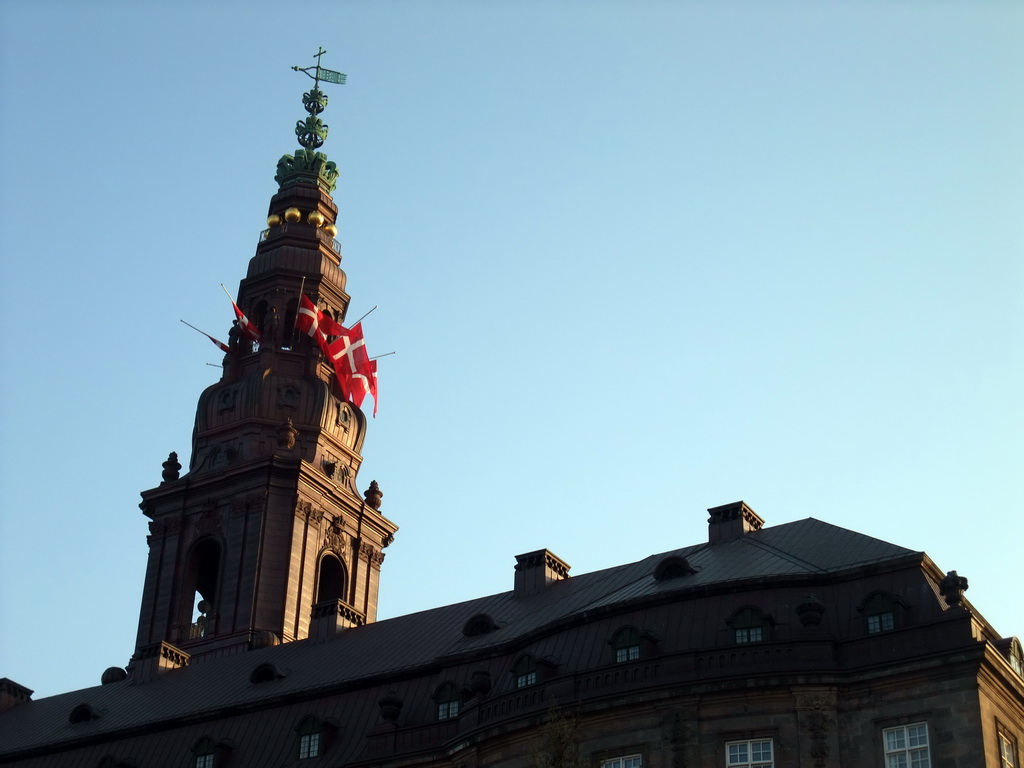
(282, 229)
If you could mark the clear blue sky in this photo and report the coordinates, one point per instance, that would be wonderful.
(637, 260)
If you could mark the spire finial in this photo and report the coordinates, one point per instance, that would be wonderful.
(307, 164)
(312, 131)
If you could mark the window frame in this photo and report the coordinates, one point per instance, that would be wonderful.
(448, 702)
(524, 672)
(204, 753)
(309, 745)
(1007, 741)
(880, 612)
(750, 762)
(907, 749)
(620, 761)
(749, 625)
(625, 644)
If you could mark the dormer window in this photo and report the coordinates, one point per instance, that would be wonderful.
(448, 699)
(83, 713)
(879, 611)
(626, 644)
(749, 625)
(525, 671)
(265, 673)
(204, 754)
(310, 738)
(481, 624)
(673, 567)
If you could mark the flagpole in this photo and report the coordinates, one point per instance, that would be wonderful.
(357, 322)
(298, 306)
(376, 357)
(226, 293)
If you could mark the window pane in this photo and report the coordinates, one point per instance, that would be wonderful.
(309, 745)
(737, 753)
(761, 751)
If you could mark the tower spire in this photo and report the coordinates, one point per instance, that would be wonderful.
(307, 164)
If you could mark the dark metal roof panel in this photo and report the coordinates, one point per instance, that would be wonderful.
(419, 640)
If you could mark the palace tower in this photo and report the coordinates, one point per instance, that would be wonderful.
(268, 527)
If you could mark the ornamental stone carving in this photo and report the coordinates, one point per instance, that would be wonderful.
(209, 519)
(952, 589)
(373, 495)
(286, 435)
(334, 537)
(810, 611)
(172, 468)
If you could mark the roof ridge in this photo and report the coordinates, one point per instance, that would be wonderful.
(754, 542)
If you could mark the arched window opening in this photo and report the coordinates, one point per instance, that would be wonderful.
(1016, 657)
(525, 671)
(626, 645)
(749, 625)
(331, 579)
(204, 754)
(448, 699)
(259, 316)
(200, 588)
(290, 335)
(310, 735)
(879, 611)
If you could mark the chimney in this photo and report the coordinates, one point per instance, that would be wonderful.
(535, 570)
(731, 522)
(153, 660)
(331, 617)
(12, 694)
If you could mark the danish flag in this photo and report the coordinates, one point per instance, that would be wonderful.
(224, 347)
(348, 352)
(246, 327)
(315, 323)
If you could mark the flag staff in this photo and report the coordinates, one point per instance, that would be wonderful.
(298, 306)
(357, 322)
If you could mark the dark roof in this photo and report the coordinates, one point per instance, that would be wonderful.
(416, 642)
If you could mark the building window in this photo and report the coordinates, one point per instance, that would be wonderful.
(757, 753)
(907, 746)
(629, 761)
(310, 733)
(879, 612)
(1016, 657)
(626, 644)
(447, 698)
(330, 580)
(204, 754)
(748, 625)
(525, 672)
(309, 745)
(881, 622)
(1007, 751)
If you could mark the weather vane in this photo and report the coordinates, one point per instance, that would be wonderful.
(312, 132)
(327, 75)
